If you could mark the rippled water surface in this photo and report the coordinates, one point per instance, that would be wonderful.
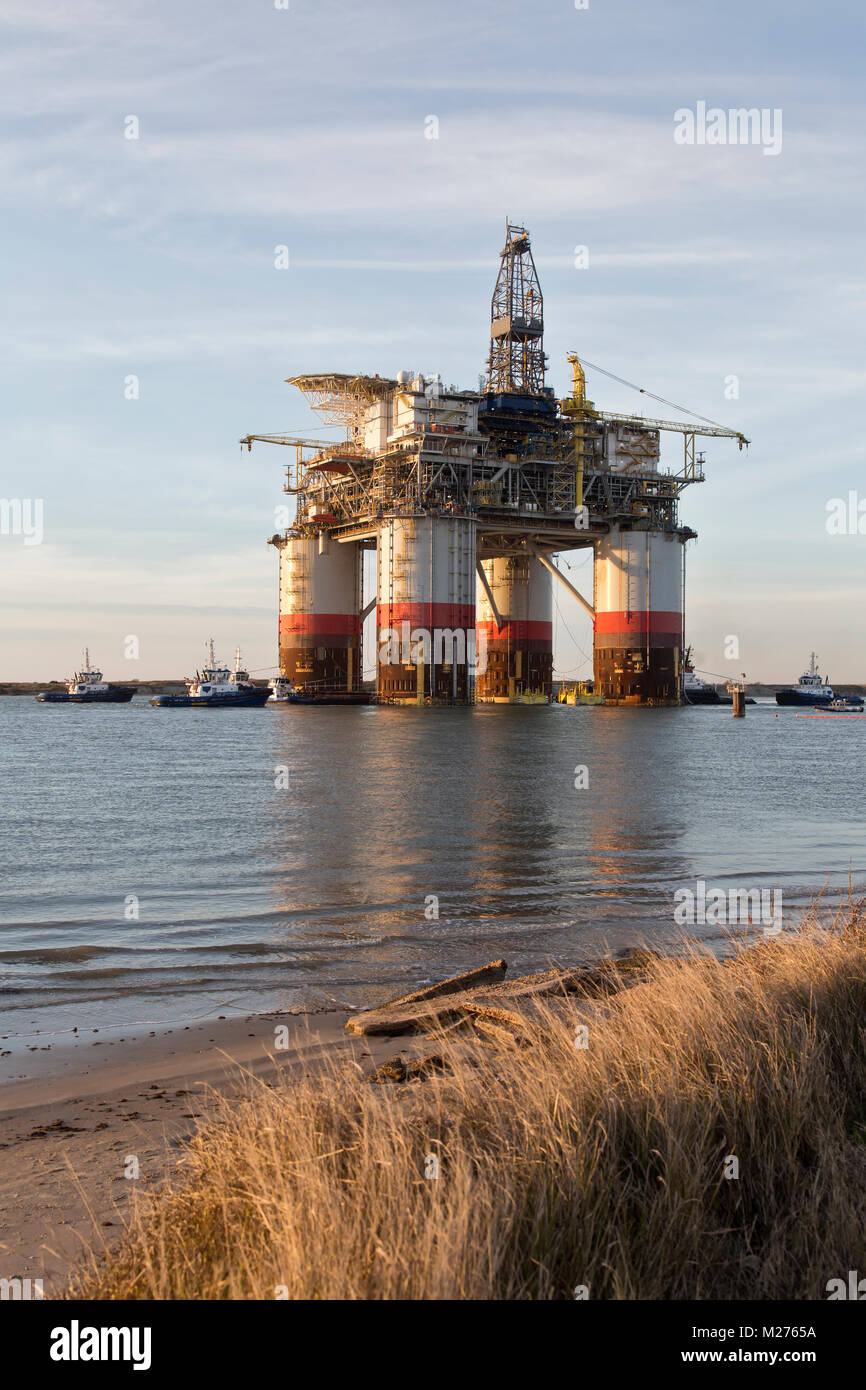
(253, 895)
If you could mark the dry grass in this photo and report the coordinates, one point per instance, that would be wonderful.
(558, 1166)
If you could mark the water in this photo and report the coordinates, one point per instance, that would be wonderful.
(251, 896)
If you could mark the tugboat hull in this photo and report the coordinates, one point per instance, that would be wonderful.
(710, 696)
(239, 700)
(120, 695)
(346, 697)
(794, 697)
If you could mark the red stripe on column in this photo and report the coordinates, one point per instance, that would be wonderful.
(428, 615)
(321, 624)
(522, 630)
(668, 624)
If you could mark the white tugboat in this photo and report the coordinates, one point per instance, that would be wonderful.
(87, 687)
(696, 691)
(217, 687)
(284, 692)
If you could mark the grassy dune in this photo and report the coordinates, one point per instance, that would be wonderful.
(558, 1166)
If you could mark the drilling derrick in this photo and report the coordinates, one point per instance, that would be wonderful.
(516, 363)
(515, 597)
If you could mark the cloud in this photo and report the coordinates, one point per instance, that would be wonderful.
(173, 339)
(555, 162)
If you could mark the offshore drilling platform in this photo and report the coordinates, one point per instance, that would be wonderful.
(466, 496)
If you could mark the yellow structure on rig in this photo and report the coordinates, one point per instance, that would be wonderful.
(577, 408)
(580, 694)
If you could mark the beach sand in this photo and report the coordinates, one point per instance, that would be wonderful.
(70, 1124)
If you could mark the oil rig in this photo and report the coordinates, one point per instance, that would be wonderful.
(466, 497)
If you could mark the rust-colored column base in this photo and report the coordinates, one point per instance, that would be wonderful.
(634, 677)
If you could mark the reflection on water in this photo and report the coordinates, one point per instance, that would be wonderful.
(252, 896)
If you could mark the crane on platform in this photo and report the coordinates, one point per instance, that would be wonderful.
(581, 411)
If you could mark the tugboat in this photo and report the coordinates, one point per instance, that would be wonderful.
(87, 687)
(217, 687)
(696, 691)
(812, 690)
(283, 692)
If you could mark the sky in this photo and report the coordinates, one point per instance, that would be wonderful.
(148, 328)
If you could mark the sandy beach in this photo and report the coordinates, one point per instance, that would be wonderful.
(69, 1125)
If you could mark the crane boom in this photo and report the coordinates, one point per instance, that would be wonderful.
(707, 427)
(681, 426)
(249, 439)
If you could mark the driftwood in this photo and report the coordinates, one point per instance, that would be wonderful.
(538, 986)
(489, 974)
(474, 995)
(448, 1005)
(416, 1012)
(502, 1018)
(500, 1037)
(393, 1020)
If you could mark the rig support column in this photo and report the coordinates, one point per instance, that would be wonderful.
(320, 623)
(638, 617)
(425, 614)
(518, 628)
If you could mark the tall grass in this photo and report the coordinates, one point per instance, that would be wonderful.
(559, 1167)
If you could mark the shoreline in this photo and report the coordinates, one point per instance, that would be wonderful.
(200, 1116)
(68, 1127)
(64, 1139)
(583, 1121)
